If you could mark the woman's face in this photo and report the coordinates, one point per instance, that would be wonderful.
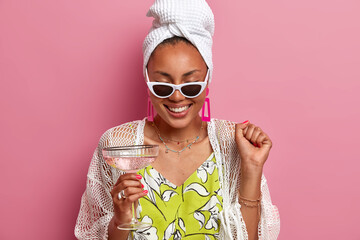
(176, 64)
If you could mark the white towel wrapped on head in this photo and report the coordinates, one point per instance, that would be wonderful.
(191, 19)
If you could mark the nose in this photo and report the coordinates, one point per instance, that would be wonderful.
(176, 96)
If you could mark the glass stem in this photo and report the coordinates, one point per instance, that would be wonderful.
(134, 219)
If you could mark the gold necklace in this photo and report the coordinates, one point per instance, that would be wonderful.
(187, 140)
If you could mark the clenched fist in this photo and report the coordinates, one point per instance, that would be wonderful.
(253, 144)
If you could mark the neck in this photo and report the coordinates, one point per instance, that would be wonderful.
(190, 131)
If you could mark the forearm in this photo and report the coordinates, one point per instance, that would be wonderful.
(115, 233)
(250, 188)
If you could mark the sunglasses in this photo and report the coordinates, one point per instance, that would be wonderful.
(165, 90)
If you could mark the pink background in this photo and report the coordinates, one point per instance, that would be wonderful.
(70, 70)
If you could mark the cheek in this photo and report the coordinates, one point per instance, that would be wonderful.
(201, 98)
(199, 101)
(157, 103)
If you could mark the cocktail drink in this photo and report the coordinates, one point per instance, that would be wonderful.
(131, 159)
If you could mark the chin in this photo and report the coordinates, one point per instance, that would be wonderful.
(178, 122)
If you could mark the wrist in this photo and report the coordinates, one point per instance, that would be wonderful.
(251, 163)
(118, 221)
(114, 222)
(250, 189)
(251, 172)
(250, 181)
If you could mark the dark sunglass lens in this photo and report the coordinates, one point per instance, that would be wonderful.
(191, 90)
(162, 90)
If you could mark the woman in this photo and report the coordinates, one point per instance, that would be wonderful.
(207, 182)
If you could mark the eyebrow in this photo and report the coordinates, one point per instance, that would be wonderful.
(184, 75)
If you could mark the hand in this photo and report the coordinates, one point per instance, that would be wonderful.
(253, 145)
(133, 190)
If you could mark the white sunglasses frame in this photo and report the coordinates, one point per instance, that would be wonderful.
(176, 87)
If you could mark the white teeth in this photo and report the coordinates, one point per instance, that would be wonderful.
(177, 110)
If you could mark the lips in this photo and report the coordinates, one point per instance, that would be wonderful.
(178, 111)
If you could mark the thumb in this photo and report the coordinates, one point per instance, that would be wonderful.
(239, 129)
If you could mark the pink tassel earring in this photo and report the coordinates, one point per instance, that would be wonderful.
(150, 109)
(205, 112)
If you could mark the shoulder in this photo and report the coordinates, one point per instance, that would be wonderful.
(121, 135)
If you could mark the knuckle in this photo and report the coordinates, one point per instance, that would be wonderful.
(121, 177)
(122, 185)
(136, 196)
(129, 200)
(124, 176)
(133, 190)
(125, 192)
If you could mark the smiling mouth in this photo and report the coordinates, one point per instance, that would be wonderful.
(178, 110)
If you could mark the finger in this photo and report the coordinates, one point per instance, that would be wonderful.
(240, 128)
(134, 197)
(245, 130)
(255, 135)
(132, 190)
(267, 143)
(126, 184)
(129, 193)
(264, 140)
(250, 132)
(128, 176)
(125, 203)
(260, 138)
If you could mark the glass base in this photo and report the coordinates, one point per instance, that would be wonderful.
(134, 226)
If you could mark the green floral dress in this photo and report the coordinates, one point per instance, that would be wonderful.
(189, 211)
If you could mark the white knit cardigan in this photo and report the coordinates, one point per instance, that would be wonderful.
(96, 208)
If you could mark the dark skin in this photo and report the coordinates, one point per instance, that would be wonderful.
(178, 64)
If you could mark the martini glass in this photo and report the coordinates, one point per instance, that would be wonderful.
(131, 159)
